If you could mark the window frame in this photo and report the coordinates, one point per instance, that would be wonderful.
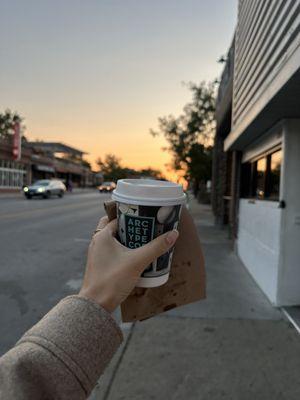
(248, 188)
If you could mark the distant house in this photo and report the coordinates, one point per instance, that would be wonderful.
(256, 166)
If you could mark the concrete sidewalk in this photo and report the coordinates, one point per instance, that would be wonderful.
(233, 345)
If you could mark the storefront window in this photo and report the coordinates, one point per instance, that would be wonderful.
(11, 174)
(261, 178)
(274, 175)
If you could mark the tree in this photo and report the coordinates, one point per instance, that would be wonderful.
(151, 173)
(190, 135)
(7, 121)
(199, 165)
(143, 173)
(111, 168)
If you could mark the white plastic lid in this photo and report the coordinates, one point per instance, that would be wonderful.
(148, 192)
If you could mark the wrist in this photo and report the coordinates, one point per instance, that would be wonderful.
(103, 300)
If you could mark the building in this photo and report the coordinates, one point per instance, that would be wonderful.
(62, 161)
(256, 167)
(221, 174)
(42, 160)
(13, 174)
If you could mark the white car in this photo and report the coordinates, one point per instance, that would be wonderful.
(45, 188)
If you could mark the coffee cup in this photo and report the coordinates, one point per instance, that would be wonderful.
(147, 208)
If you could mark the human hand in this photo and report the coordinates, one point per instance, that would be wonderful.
(113, 270)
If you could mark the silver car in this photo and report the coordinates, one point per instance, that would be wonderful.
(45, 188)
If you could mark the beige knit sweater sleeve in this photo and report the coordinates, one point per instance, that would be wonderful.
(63, 355)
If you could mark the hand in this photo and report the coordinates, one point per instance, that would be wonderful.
(113, 270)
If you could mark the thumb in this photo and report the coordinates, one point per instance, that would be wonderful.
(149, 252)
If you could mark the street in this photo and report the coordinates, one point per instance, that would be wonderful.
(43, 246)
(232, 345)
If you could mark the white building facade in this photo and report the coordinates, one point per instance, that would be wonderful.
(264, 145)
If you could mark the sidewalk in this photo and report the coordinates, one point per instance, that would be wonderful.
(233, 345)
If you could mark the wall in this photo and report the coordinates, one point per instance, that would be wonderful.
(289, 270)
(219, 182)
(259, 242)
(266, 37)
(267, 55)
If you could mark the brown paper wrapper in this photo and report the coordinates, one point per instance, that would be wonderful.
(186, 283)
(110, 209)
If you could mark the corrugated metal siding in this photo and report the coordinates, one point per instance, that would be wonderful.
(268, 32)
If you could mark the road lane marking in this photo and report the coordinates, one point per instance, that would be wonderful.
(82, 240)
(74, 284)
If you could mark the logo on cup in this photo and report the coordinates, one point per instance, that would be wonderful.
(138, 230)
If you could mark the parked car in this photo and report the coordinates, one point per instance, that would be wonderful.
(107, 187)
(45, 188)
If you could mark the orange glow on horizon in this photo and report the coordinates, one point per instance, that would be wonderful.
(135, 150)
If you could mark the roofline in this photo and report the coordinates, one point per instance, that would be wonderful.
(49, 144)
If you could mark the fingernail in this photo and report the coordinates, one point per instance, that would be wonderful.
(172, 236)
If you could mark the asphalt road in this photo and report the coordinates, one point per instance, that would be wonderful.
(43, 246)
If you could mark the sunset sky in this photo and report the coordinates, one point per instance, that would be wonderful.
(96, 74)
